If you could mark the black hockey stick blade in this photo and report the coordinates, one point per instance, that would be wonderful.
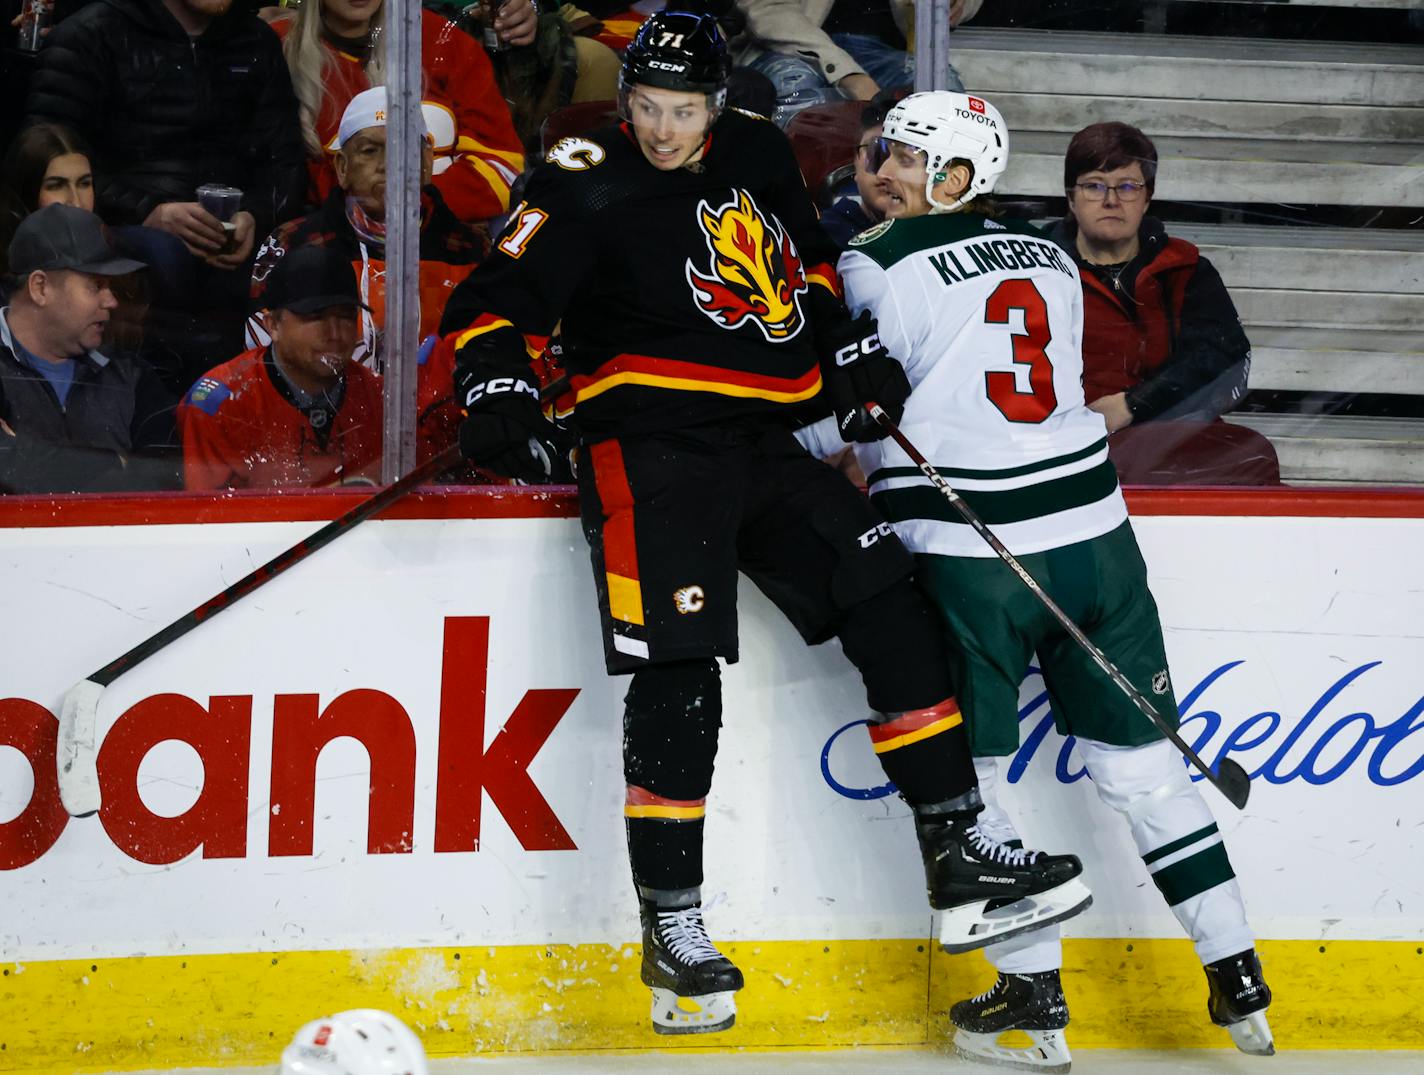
(77, 756)
(1229, 778)
(1233, 782)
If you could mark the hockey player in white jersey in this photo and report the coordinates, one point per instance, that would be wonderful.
(987, 317)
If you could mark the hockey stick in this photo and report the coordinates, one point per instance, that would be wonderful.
(1229, 779)
(77, 753)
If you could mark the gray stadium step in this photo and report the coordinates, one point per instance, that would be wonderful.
(1313, 259)
(1297, 370)
(1164, 117)
(1342, 309)
(1351, 311)
(1333, 449)
(1235, 120)
(1215, 171)
(1188, 68)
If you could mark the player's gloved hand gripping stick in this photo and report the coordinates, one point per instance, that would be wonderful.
(860, 368)
(1229, 779)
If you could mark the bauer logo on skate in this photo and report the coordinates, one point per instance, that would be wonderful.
(1320, 746)
(221, 734)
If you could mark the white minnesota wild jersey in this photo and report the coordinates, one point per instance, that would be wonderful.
(987, 318)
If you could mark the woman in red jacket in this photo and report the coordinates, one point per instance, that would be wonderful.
(336, 48)
(1164, 353)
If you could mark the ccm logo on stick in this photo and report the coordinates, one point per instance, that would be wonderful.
(495, 385)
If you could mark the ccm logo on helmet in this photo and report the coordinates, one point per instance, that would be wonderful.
(495, 385)
(664, 65)
(852, 351)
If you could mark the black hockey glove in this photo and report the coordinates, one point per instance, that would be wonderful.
(504, 428)
(860, 370)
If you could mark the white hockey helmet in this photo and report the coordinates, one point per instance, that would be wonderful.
(952, 126)
(359, 1042)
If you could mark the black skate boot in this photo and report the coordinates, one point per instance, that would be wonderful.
(1238, 1001)
(1033, 1003)
(692, 982)
(986, 891)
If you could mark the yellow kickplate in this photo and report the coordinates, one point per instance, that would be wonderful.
(177, 1011)
(1151, 994)
(107, 1015)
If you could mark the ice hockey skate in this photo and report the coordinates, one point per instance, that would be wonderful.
(693, 984)
(1032, 1003)
(987, 891)
(1238, 1001)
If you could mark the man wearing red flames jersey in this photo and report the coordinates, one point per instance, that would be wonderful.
(298, 411)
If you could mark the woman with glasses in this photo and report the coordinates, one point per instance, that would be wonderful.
(1161, 337)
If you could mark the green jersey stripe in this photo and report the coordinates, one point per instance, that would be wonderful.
(885, 473)
(1177, 845)
(998, 507)
(1194, 875)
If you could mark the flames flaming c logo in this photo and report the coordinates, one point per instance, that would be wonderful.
(756, 274)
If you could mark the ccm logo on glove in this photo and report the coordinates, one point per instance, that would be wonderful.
(495, 385)
(860, 349)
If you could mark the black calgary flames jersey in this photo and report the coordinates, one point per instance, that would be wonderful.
(681, 297)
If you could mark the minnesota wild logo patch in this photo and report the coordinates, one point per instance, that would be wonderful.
(869, 235)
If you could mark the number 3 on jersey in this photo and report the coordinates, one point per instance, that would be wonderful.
(1030, 349)
(524, 223)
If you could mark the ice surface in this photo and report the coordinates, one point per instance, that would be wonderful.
(910, 1062)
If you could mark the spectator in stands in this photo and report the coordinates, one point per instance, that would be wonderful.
(827, 50)
(352, 220)
(170, 95)
(72, 418)
(1161, 336)
(46, 163)
(547, 60)
(335, 49)
(298, 411)
(852, 214)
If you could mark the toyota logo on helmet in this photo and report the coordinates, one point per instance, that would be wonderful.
(949, 126)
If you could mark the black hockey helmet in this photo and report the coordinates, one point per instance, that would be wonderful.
(678, 50)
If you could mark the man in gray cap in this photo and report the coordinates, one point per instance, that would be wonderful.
(70, 415)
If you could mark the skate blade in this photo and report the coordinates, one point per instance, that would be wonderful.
(1049, 1051)
(705, 1014)
(969, 926)
(1253, 1035)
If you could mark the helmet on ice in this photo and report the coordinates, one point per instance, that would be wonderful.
(359, 1042)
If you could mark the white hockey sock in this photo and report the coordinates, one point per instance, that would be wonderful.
(1028, 953)
(1177, 838)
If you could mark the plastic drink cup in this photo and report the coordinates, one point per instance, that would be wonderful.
(223, 202)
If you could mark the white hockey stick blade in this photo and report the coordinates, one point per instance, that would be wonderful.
(77, 754)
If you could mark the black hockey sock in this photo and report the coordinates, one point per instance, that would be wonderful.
(664, 844)
(926, 753)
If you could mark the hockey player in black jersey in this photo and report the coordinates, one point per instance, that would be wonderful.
(680, 256)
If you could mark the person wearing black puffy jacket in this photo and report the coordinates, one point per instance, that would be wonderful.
(170, 95)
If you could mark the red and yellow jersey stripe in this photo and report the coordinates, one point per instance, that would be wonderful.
(648, 372)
